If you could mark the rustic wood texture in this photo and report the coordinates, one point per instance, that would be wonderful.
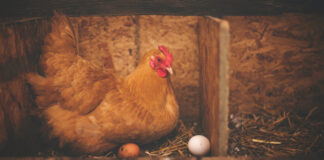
(3, 130)
(14, 9)
(213, 54)
(179, 34)
(224, 51)
(209, 75)
(19, 51)
(101, 37)
(20, 45)
(17, 104)
(276, 63)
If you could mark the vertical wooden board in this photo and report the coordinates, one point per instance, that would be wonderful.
(104, 39)
(224, 51)
(214, 50)
(179, 34)
(209, 61)
(277, 63)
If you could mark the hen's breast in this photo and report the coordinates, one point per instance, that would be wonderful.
(123, 119)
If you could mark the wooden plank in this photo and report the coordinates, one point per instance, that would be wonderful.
(14, 9)
(224, 49)
(209, 61)
(214, 48)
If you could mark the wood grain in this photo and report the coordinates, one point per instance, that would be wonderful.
(277, 63)
(209, 61)
(20, 47)
(107, 41)
(214, 48)
(17, 9)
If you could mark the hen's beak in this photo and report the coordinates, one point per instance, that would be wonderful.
(170, 70)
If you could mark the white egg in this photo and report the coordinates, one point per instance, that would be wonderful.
(199, 145)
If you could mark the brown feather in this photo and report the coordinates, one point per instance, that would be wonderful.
(93, 110)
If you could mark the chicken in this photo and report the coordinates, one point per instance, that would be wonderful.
(93, 110)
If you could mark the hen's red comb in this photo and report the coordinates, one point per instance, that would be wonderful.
(168, 55)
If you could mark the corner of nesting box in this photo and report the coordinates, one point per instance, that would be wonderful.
(214, 50)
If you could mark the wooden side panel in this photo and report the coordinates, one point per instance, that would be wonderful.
(277, 63)
(3, 130)
(107, 39)
(20, 46)
(213, 75)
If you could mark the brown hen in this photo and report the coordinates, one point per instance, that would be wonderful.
(95, 111)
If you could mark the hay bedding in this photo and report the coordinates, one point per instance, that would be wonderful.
(275, 135)
(260, 134)
(174, 145)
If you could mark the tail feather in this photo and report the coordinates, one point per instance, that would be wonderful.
(43, 88)
(63, 37)
(60, 46)
(69, 80)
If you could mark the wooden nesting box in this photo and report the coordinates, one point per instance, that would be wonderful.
(239, 62)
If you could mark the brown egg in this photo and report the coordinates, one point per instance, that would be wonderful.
(128, 150)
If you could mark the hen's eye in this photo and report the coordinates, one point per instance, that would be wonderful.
(158, 59)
